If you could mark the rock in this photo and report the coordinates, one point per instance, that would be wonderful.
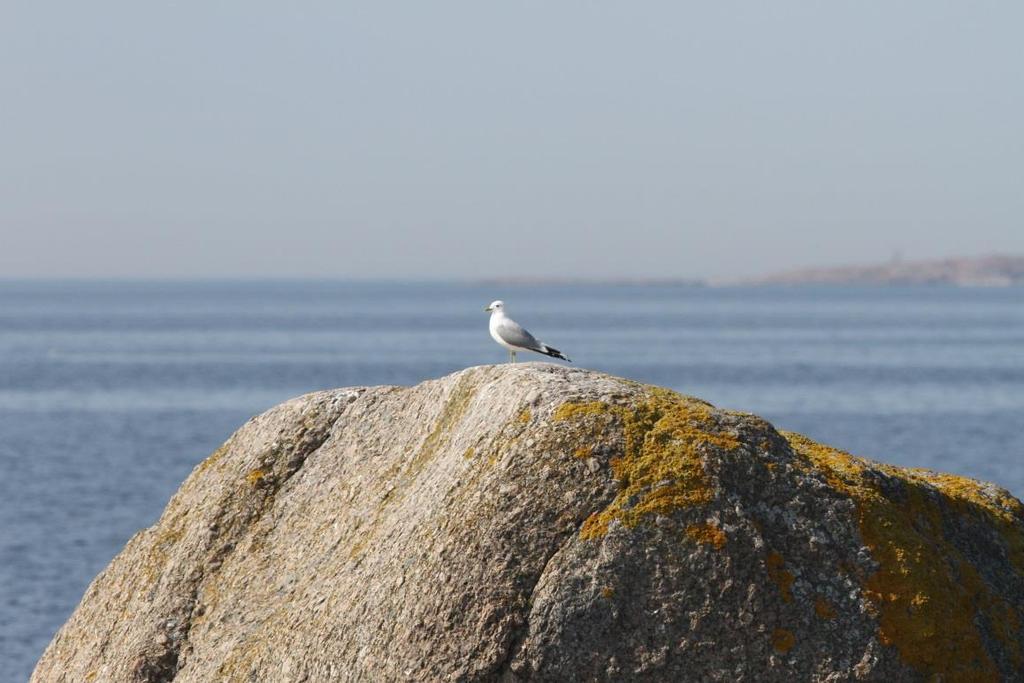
(534, 522)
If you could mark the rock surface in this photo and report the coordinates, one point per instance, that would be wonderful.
(534, 522)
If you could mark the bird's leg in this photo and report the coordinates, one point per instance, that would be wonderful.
(510, 355)
(513, 356)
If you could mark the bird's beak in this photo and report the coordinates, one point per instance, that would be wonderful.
(487, 310)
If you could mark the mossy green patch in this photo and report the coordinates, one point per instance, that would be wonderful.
(660, 470)
(930, 599)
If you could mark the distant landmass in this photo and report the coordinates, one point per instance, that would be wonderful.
(615, 281)
(982, 271)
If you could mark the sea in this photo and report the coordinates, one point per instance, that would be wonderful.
(111, 392)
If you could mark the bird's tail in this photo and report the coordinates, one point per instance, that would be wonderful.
(554, 353)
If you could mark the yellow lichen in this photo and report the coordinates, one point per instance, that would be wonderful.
(395, 479)
(964, 490)
(358, 547)
(454, 409)
(256, 476)
(783, 640)
(212, 459)
(824, 609)
(524, 416)
(782, 578)
(583, 452)
(660, 470)
(1001, 510)
(572, 411)
(707, 534)
(1006, 625)
(930, 599)
(171, 534)
(161, 541)
(607, 592)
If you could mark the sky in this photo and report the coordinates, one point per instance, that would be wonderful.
(526, 139)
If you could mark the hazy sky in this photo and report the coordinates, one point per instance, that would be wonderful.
(434, 139)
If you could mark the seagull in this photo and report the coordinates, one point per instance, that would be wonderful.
(514, 337)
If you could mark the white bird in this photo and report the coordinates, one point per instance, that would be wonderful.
(514, 336)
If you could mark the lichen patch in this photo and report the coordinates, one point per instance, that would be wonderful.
(783, 640)
(780, 576)
(931, 602)
(824, 609)
(707, 534)
(661, 469)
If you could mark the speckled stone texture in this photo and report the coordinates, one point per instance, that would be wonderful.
(535, 522)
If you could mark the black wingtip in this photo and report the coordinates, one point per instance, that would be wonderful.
(555, 353)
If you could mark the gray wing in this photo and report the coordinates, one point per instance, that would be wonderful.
(515, 334)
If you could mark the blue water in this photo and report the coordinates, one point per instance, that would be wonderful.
(110, 393)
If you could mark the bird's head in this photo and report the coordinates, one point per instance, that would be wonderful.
(495, 306)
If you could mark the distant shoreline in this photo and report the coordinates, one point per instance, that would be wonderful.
(982, 271)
